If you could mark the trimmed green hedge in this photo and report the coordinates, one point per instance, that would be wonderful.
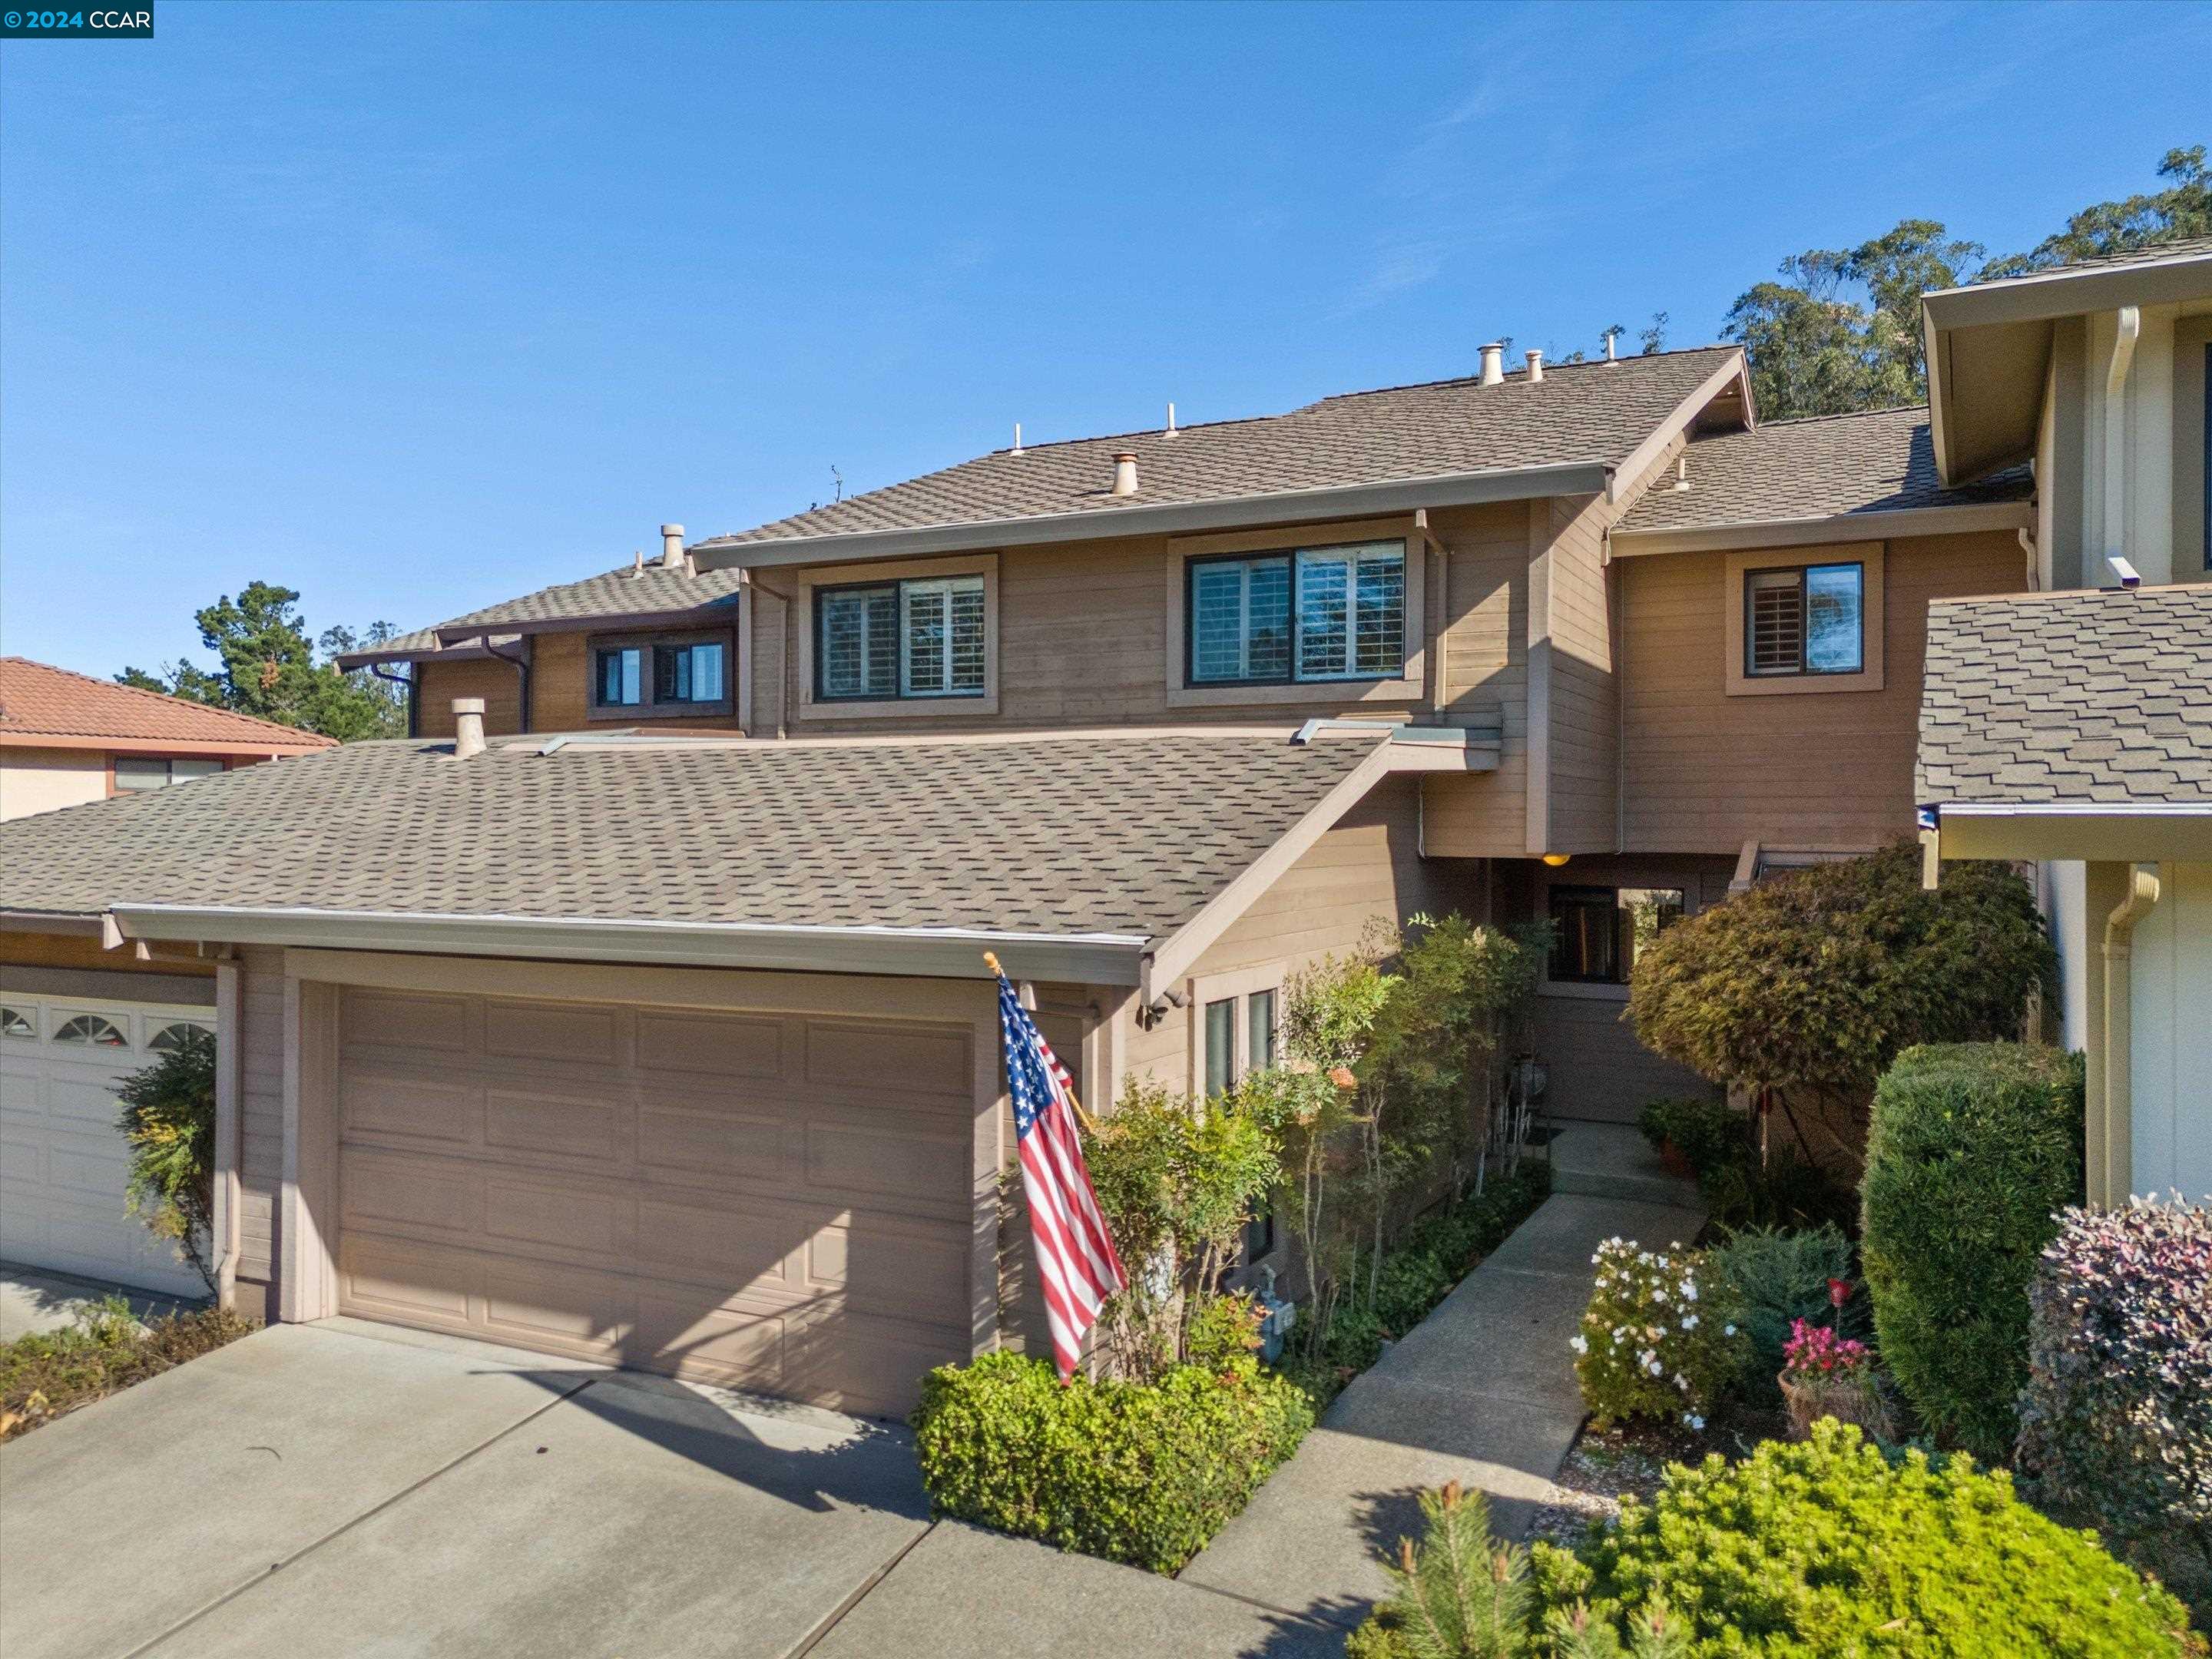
(1973, 1151)
(1823, 1550)
(1130, 1471)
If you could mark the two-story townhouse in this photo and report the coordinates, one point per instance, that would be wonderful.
(621, 1028)
(2073, 725)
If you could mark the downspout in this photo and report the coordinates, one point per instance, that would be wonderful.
(2128, 331)
(2112, 1147)
(414, 699)
(521, 665)
(783, 615)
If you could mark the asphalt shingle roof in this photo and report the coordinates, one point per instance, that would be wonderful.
(1593, 412)
(625, 592)
(1878, 462)
(2186, 247)
(38, 700)
(993, 835)
(2100, 698)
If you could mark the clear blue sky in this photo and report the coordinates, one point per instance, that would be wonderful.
(415, 307)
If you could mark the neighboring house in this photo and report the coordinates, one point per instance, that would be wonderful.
(74, 1021)
(661, 1032)
(67, 738)
(2075, 727)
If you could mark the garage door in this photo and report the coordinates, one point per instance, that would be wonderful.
(771, 1201)
(63, 1166)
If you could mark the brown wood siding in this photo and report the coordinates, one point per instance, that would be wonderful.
(1583, 706)
(1707, 772)
(1485, 649)
(261, 1109)
(83, 951)
(496, 683)
(1366, 869)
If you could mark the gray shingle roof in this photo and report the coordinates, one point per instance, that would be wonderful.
(1579, 412)
(2090, 697)
(2186, 247)
(625, 592)
(994, 835)
(1877, 462)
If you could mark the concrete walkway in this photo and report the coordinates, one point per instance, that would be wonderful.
(1482, 1392)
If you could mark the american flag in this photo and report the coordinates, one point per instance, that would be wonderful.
(1075, 1256)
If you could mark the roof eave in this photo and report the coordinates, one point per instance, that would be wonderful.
(243, 748)
(2070, 292)
(1956, 519)
(510, 628)
(2092, 831)
(1171, 518)
(937, 953)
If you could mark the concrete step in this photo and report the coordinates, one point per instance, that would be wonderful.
(1610, 1160)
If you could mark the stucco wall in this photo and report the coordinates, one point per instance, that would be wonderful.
(42, 780)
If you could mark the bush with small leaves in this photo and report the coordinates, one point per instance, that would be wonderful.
(1773, 1279)
(1140, 1473)
(1826, 1550)
(1653, 1343)
(2116, 1423)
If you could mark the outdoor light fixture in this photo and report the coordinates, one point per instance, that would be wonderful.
(1555, 860)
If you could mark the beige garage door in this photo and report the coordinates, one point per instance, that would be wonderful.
(771, 1201)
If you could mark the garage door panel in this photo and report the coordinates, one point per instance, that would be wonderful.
(85, 1106)
(552, 1125)
(377, 1102)
(872, 1059)
(409, 1024)
(726, 1200)
(737, 1143)
(553, 1031)
(856, 1158)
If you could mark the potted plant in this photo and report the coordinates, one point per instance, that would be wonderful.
(1825, 1374)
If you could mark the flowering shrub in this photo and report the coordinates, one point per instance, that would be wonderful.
(1826, 1374)
(1649, 1346)
(1815, 1353)
(2116, 1422)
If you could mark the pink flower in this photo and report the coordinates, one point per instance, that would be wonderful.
(1839, 1291)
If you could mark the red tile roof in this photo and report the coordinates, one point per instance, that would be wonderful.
(46, 706)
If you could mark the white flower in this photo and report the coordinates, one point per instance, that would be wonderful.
(1656, 1368)
(1689, 1292)
(1681, 1382)
(1728, 1330)
(1579, 1345)
(1695, 1423)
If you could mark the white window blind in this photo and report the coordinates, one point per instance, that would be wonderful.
(915, 639)
(1331, 613)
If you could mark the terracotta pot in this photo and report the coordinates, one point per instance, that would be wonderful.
(1846, 1397)
(1675, 1160)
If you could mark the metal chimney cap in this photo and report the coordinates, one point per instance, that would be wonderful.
(676, 530)
(468, 705)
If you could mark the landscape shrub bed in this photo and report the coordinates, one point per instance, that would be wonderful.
(1139, 1473)
(1826, 1549)
(1771, 1281)
(45, 1376)
(1973, 1151)
(1653, 1343)
(2116, 1424)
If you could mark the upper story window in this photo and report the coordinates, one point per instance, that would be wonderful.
(1809, 619)
(642, 678)
(1323, 613)
(135, 772)
(1597, 933)
(883, 640)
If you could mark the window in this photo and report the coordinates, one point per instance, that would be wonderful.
(686, 673)
(895, 639)
(136, 772)
(91, 1031)
(172, 1039)
(646, 677)
(14, 1023)
(621, 677)
(1805, 621)
(1220, 1045)
(1260, 1030)
(1599, 932)
(1325, 613)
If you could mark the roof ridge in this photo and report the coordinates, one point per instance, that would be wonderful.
(114, 685)
(1837, 415)
(1562, 367)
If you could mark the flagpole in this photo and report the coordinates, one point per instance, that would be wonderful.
(1090, 1123)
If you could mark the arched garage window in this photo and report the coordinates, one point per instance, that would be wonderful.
(14, 1022)
(172, 1039)
(91, 1031)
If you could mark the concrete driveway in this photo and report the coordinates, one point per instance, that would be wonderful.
(350, 1489)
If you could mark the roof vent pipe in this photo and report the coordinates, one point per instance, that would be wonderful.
(1536, 366)
(1610, 355)
(1493, 363)
(1018, 439)
(1682, 472)
(468, 727)
(1125, 475)
(1171, 425)
(672, 547)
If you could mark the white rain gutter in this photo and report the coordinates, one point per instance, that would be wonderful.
(2111, 1143)
(928, 952)
(2126, 332)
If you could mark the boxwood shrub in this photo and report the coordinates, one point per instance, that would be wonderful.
(1825, 1550)
(1144, 1474)
(1973, 1150)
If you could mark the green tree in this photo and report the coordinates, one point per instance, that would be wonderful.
(2182, 208)
(267, 668)
(169, 1122)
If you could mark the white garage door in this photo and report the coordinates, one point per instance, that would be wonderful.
(773, 1201)
(63, 1164)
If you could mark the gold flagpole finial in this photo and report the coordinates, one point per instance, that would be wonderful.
(992, 962)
